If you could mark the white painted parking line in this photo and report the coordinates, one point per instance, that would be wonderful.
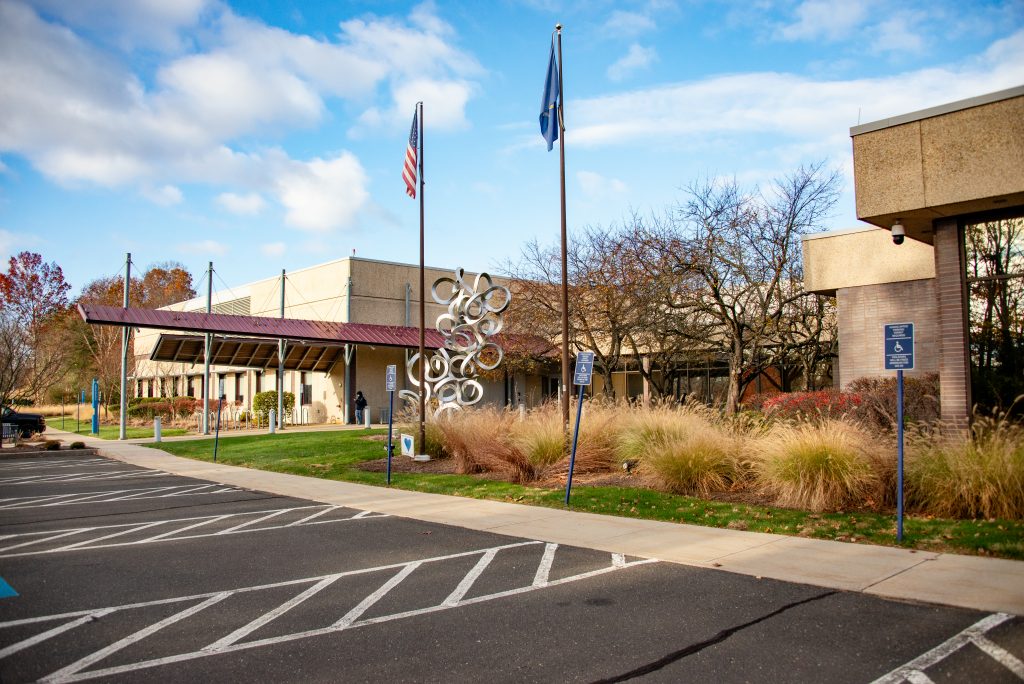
(32, 464)
(914, 670)
(233, 640)
(1001, 655)
(26, 539)
(17, 502)
(80, 477)
(540, 579)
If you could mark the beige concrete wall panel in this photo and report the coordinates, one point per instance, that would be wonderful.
(887, 168)
(863, 257)
(974, 154)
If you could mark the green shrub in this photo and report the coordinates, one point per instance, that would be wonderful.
(975, 473)
(263, 402)
(816, 466)
(77, 445)
(51, 445)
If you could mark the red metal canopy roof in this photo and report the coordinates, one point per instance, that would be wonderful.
(258, 326)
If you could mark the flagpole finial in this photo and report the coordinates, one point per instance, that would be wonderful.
(558, 27)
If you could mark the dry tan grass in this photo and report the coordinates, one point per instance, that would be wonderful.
(54, 410)
(816, 466)
(976, 473)
(685, 448)
(481, 441)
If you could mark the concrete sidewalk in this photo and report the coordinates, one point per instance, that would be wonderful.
(988, 584)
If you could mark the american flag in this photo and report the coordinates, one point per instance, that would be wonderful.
(409, 170)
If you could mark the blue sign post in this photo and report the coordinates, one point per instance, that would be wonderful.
(899, 356)
(390, 385)
(582, 376)
(95, 406)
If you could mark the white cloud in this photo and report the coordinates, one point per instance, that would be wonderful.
(638, 57)
(165, 195)
(273, 249)
(322, 195)
(596, 186)
(898, 34)
(246, 205)
(825, 19)
(203, 248)
(148, 24)
(79, 114)
(802, 110)
(628, 24)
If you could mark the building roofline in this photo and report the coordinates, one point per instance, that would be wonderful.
(840, 231)
(947, 108)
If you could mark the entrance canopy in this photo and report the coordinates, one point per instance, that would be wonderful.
(247, 352)
(308, 333)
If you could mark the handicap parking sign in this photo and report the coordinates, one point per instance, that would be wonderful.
(899, 346)
(584, 368)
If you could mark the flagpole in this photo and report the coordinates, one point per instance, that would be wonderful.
(565, 259)
(423, 357)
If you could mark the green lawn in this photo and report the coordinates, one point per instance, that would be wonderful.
(332, 455)
(114, 432)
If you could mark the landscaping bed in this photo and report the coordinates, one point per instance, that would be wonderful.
(357, 457)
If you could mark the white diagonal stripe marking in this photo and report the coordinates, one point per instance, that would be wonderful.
(467, 582)
(540, 579)
(364, 605)
(221, 644)
(1001, 655)
(63, 673)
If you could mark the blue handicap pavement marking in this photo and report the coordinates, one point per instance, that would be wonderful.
(6, 590)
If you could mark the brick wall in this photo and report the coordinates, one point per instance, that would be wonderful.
(951, 299)
(862, 313)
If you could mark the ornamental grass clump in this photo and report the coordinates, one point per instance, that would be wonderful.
(969, 474)
(539, 436)
(685, 449)
(816, 466)
(480, 441)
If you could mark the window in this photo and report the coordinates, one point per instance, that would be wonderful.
(191, 389)
(239, 397)
(258, 384)
(149, 388)
(307, 390)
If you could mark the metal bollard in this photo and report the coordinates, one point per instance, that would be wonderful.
(156, 429)
(273, 421)
(366, 417)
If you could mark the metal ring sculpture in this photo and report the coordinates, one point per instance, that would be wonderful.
(474, 315)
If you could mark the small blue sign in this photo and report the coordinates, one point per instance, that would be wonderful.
(391, 378)
(6, 590)
(899, 346)
(584, 368)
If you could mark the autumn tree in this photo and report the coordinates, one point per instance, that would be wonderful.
(99, 346)
(33, 300)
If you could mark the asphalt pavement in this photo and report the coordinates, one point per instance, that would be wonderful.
(118, 572)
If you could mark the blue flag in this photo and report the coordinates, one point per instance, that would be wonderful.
(549, 105)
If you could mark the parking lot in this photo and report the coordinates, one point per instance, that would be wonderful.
(123, 573)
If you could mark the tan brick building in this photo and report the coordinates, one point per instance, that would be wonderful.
(932, 172)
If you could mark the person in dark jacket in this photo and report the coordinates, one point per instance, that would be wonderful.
(360, 407)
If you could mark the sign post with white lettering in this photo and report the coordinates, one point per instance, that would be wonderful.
(582, 377)
(899, 356)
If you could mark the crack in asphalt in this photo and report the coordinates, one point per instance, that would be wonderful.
(700, 646)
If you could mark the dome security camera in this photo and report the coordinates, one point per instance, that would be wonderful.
(898, 233)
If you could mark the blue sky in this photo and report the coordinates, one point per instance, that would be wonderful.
(270, 134)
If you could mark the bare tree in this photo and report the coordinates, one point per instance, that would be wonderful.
(737, 260)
